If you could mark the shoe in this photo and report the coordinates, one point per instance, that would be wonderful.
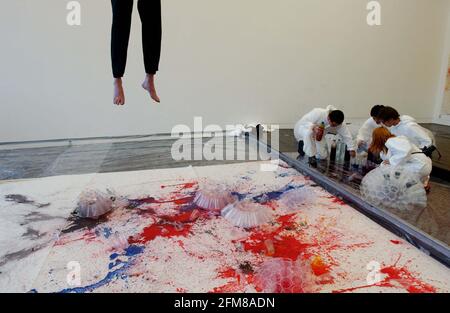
(300, 148)
(312, 161)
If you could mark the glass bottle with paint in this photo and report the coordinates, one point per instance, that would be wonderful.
(320, 132)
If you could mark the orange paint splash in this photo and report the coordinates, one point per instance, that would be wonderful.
(319, 267)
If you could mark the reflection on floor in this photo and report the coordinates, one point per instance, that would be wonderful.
(105, 157)
(434, 219)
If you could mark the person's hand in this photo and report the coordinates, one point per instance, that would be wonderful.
(318, 132)
(386, 162)
(352, 153)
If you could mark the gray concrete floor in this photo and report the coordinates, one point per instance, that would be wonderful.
(106, 156)
(442, 134)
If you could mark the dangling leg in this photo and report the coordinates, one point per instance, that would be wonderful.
(150, 12)
(120, 35)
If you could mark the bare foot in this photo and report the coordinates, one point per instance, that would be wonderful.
(119, 95)
(149, 85)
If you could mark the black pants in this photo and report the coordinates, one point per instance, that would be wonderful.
(150, 13)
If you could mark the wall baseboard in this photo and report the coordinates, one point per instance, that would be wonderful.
(442, 120)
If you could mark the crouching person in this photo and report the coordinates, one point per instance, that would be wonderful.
(311, 129)
(407, 126)
(400, 151)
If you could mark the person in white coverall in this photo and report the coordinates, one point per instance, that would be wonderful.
(400, 151)
(406, 126)
(306, 128)
(364, 137)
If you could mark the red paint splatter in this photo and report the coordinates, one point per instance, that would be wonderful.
(397, 277)
(88, 237)
(160, 230)
(182, 186)
(169, 226)
(285, 241)
(234, 285)
(289, 245)
(174, 200)
(272, 204)
(337, 200)
(396, 242)
(285, 246)
(183, 195)
(405, 279)
(228, 273)
(185, 217)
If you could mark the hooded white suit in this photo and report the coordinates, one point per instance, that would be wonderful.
(401, 152)
(366, 131)
(418, 135)
(303, 130)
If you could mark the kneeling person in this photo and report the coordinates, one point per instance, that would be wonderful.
(311, 129)
(364, 137)
(400, 151)
(407, 126)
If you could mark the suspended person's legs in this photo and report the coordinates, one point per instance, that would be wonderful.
(150, 12)
(120, 35)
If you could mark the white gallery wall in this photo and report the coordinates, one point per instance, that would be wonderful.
(228, 61)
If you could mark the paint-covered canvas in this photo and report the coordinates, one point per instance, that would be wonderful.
(161, 240)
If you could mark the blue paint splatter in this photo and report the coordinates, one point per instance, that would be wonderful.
(114, 264)
(107, 231)
(272, 195)
(265, 197)
(239, 196)
(133, 250)
(119, 273)
(113, 256)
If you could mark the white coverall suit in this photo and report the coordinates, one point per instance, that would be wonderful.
(304, 130)
(417, 135)
(366, 131)
(401, 152)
